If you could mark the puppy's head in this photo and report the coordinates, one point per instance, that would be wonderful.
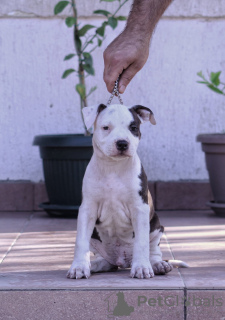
(117, 128)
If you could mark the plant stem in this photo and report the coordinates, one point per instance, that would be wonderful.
(88, 42)
(83, 101)
(94, 36)
(93, 49)
(119, 8)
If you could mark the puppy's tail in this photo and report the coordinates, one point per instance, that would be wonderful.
(178, 263)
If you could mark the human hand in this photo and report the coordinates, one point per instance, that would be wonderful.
(125, 56)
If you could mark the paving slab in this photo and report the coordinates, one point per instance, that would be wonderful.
(43, 253)
(198, 238)
(39, 251)
(11, 224)
(208, 304)
(91, 305)
(204, 278)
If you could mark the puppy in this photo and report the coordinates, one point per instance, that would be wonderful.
(116, 219)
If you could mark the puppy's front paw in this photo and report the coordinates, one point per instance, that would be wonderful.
(162, 267)
(79, 270)
(141, 271)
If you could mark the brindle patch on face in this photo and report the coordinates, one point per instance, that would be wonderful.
(144, 185)
(95, 235)
(135, 124)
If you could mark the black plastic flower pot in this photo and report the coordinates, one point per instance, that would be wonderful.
(65, 158)
(214, 147)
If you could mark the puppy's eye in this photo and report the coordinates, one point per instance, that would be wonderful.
(133, 128)
(105, 128)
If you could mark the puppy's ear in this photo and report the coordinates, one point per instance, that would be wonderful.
(145, 114)
(90, 114)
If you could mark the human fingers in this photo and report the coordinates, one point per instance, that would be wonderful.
(126, 76)
(113, 67)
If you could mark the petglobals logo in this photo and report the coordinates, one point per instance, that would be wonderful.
(117, 305)
(122, 304)
(173, 301)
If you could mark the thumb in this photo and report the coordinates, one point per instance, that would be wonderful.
(126, 77)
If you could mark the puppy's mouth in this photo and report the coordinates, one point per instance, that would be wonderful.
(121, 154)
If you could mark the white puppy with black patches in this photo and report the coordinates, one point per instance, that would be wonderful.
(116, 219)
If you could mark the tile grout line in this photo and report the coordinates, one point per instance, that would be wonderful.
(185, 287)
(185, 303)
(168, 245)
(17, 237)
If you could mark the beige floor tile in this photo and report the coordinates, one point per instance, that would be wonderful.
(11, 224)
(43, 253)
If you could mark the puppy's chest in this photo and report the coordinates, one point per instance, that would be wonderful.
(116, 194)
(114, 216)
(116, 187)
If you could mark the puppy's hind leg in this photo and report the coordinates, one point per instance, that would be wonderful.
(158, 265)
(99, 264)
(156, 231)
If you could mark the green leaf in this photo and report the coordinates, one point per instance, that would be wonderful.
(107, 0)
(89, 69)
(88, 63)
(200, 74)
(104, 12)
(67, 73)
(121, 18)
(92, 90)
(99, 42)
(69, 56)
(70, 21)
(87, 58)
(60, 6)
(214, 77)
(101, 30)
(85, 28)
(112, 22)
(80, 88)
(210, 86)
(203, 82)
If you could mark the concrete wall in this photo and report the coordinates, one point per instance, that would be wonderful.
(34, 100)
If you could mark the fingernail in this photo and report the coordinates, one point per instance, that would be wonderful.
(122, 88)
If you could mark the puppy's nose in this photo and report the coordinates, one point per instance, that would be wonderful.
(122, 145)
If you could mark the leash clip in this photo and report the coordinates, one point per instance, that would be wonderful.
(115, 93)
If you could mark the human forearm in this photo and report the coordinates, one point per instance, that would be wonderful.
(128, 53)
(144, 16)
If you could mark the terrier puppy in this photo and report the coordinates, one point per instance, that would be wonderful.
(116, 219)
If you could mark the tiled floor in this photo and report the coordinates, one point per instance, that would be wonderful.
(36, 251)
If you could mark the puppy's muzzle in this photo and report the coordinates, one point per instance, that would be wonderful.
(122, 145)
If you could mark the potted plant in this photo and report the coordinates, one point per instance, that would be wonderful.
(214, 147)
(65, 157)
